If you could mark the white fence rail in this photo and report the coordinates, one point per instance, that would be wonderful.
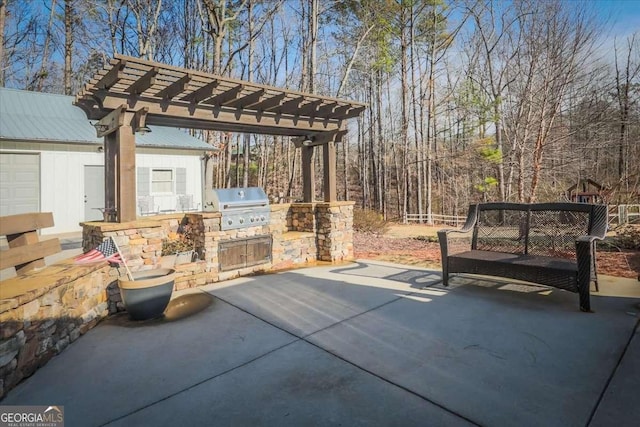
(624, 214)
(456, 220)
(619, 215)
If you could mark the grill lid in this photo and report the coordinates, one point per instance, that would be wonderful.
(229, 199)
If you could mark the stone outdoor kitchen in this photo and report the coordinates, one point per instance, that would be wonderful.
(45, 309)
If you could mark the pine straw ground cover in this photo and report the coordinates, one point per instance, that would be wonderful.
(425, 252)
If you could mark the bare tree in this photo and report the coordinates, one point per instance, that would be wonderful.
(498, 39)
(626, 73)
(3, 20)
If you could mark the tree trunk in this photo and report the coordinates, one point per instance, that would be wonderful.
(416, 123)
(247, 137)
(45, 49)
(68, 44)
(3, 19)
(403, 175)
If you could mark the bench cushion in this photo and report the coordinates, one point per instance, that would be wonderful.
(557, 272)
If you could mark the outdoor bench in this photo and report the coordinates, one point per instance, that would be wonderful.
(26, 252)
(551, 244)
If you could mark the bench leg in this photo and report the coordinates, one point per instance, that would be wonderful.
(585, 296)
(445, 278)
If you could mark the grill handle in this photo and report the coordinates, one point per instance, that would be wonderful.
(247, 204)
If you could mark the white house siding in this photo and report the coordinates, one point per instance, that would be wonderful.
(191, 162)
(19, 183)
(62, 184)
(62, 177)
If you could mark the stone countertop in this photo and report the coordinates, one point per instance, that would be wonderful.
(24, 288)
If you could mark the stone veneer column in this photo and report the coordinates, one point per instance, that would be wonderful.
(303, 217)
(334, 222)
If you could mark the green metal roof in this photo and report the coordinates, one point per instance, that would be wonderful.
(45, 117)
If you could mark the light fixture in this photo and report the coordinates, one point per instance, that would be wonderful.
(307, 142)
(100, 127)
(139, 122)
(142, 130)
(100, 149)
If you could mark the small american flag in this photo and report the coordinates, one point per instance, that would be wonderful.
(106, 251)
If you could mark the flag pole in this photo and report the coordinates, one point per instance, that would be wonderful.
(129, 275)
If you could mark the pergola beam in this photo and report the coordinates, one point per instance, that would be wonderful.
(309, 109)
(111, 122)
(270, 123)
(225, 97)
(144, 82)
(327, 109)
(112, 76)
(290, 106)
(270, 103)
(175, 88)
(130, 93)
(202, 93)
(247, 101)
(341, 110)
(353, 112)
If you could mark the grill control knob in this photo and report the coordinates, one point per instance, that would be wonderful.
(253, 219)
(241, 220)
(230, 222)
(262, 218)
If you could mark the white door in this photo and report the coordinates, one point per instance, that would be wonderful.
(19, 183)
(93, 193)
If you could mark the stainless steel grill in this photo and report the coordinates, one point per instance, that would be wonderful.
(240, 207)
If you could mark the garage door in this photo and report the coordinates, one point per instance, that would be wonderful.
(19, 183)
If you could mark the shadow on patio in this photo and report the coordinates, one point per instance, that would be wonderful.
(368, 343)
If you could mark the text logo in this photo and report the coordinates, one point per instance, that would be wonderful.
(31, 416)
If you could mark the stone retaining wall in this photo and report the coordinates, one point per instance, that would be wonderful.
(43, 311)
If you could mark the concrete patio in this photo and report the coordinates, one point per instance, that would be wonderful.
(366, 343)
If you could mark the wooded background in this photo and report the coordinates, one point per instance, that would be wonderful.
(468, 100)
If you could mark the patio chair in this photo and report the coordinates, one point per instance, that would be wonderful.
(146, 206)
(185, 203)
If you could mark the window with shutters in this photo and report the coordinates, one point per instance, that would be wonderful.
(162, 181)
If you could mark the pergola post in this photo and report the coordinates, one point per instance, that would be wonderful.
(329, 160)
(110, 175)
(126, 176)
(119, 164)
(308, 175)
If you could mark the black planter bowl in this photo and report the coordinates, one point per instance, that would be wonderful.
(147, 296)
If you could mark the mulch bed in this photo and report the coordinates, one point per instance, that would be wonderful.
(420, 252)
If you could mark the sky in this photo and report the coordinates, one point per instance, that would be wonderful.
(623, 15)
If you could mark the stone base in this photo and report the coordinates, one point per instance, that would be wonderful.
(43, 311)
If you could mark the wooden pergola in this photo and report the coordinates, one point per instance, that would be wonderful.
(130, 93)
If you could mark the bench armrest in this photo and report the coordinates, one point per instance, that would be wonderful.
(472, 216)
(588, 239)
(585, 247)
(586, 258)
